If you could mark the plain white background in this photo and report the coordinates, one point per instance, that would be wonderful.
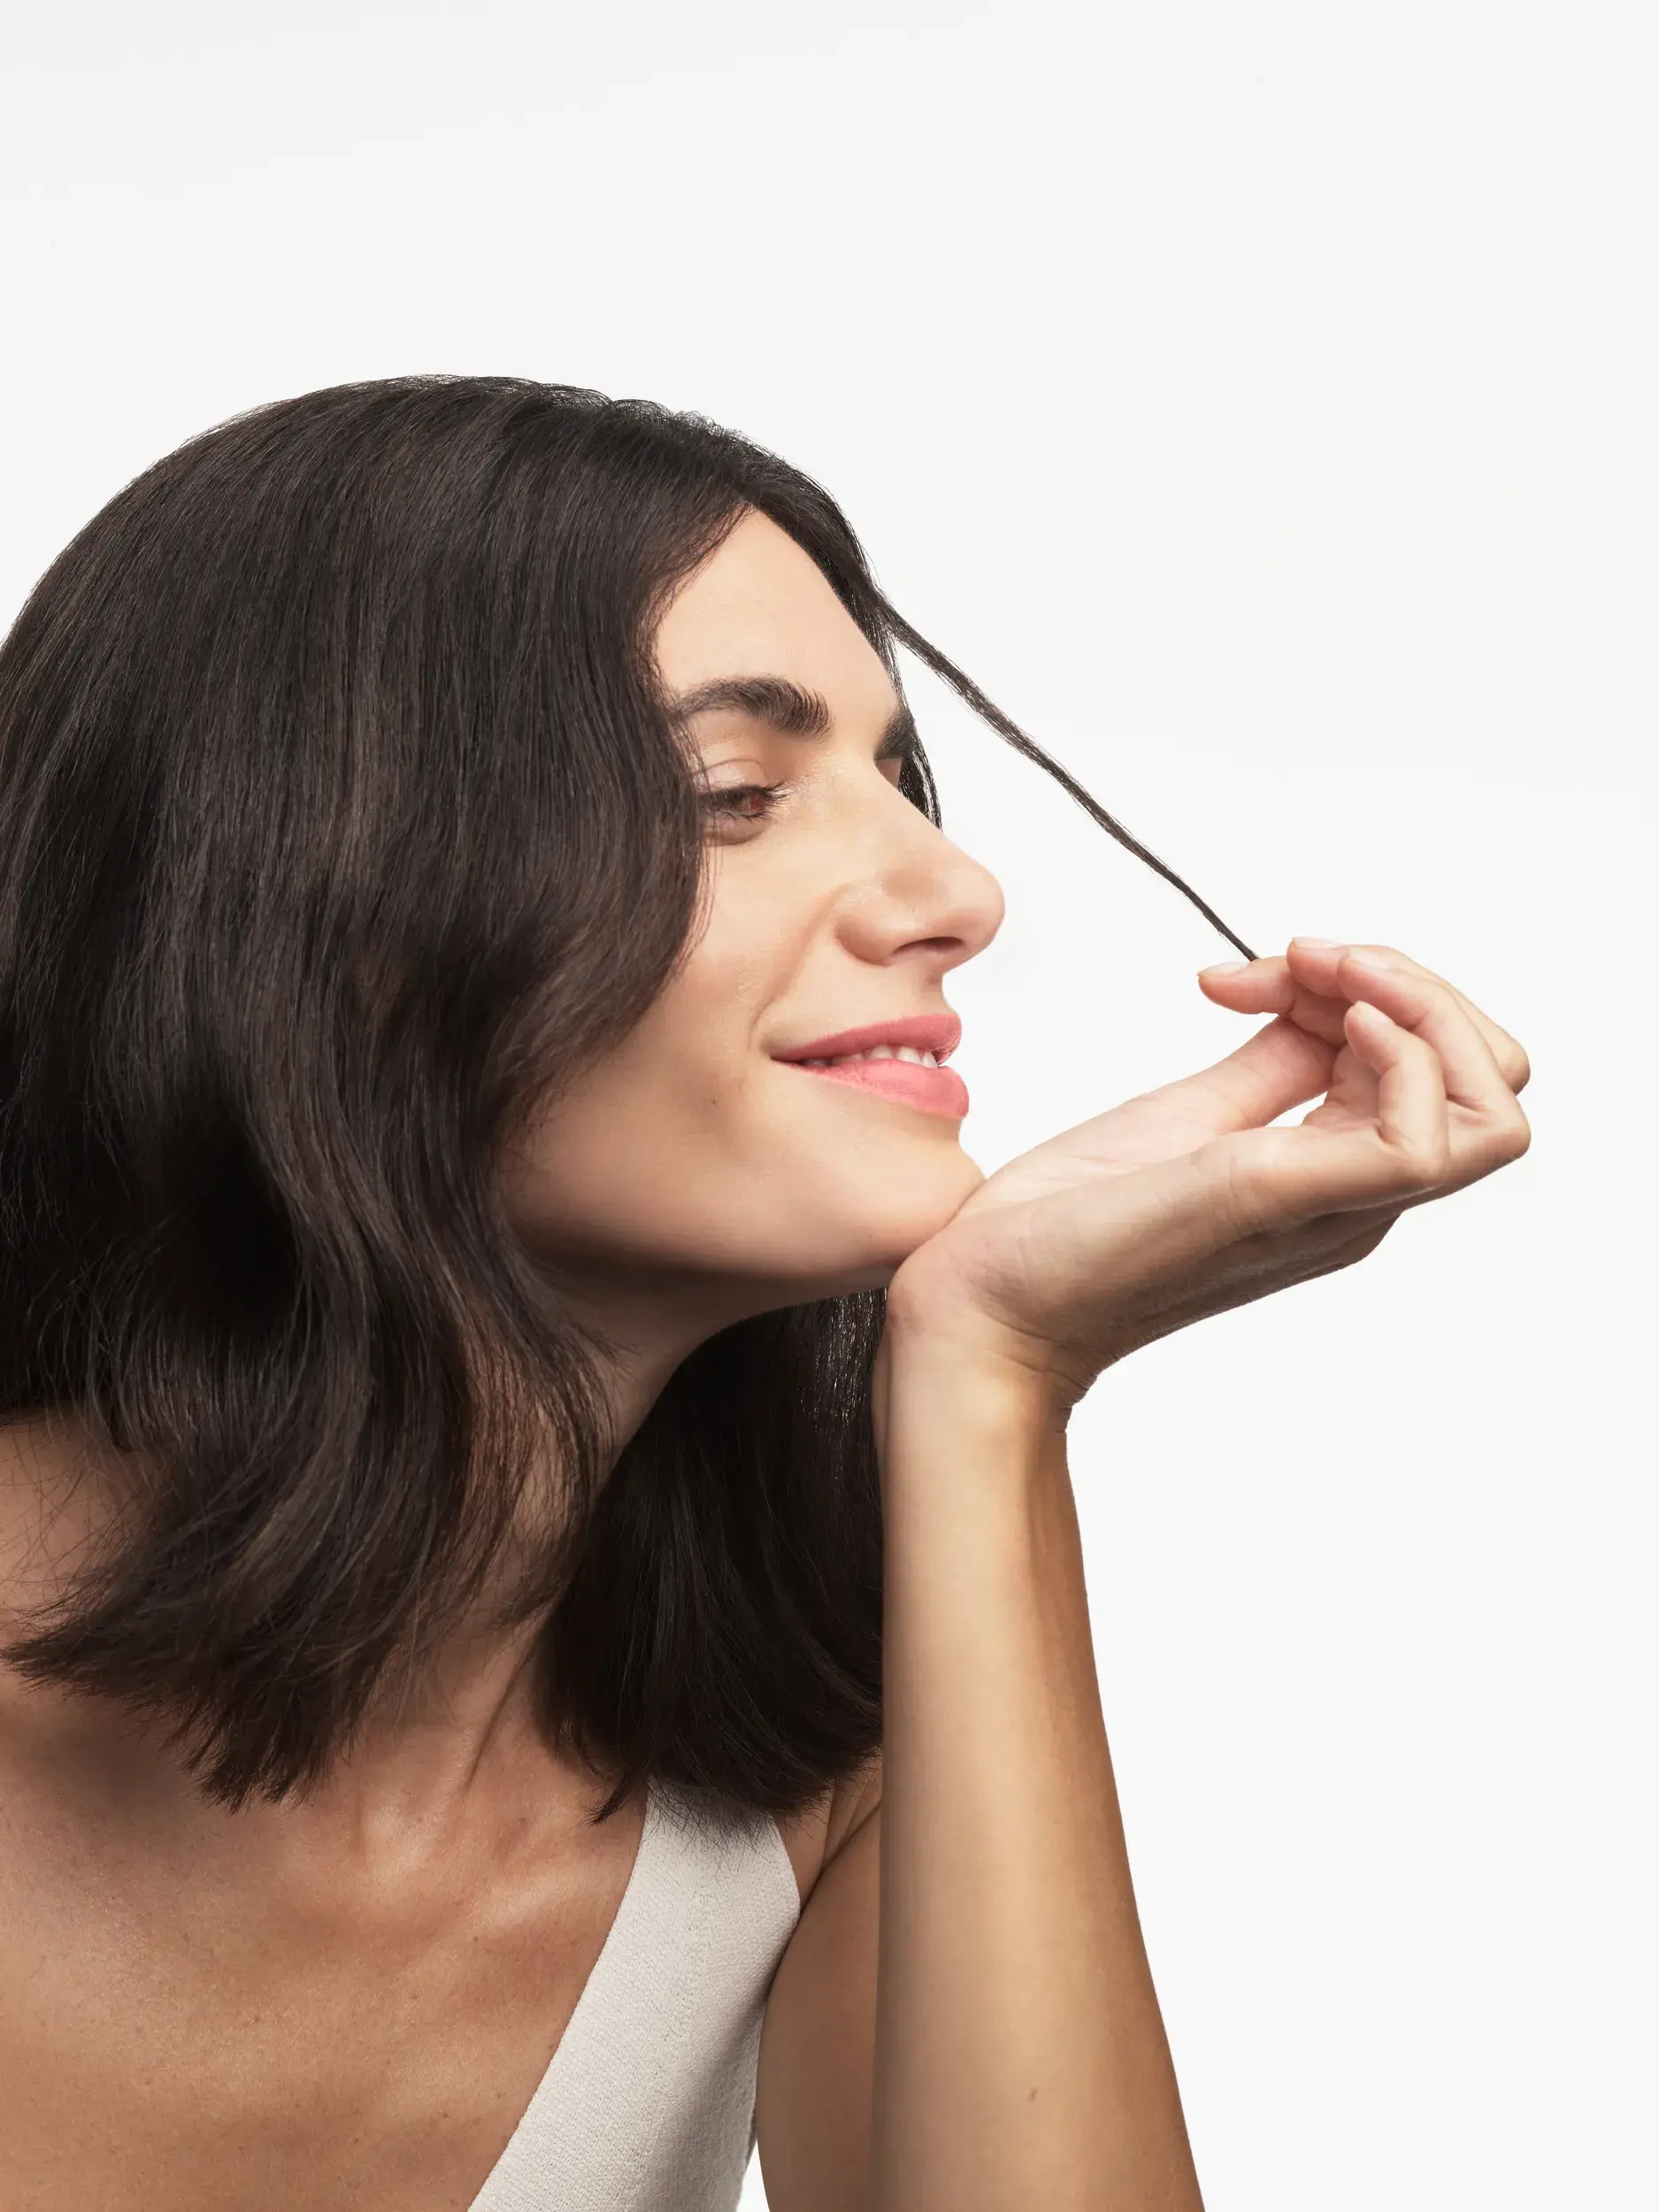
(1259, 399)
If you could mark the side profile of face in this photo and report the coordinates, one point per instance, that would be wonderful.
(705, 1158)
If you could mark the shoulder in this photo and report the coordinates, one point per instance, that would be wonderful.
(815, 1837)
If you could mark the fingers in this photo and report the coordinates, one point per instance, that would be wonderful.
(1277, 1180)
(1483, 1056)
(1277, 1068)
(1302, 982)
(1411, 1118)
(1486, 1126)
(1267, 986)
(1422, 1004)
(1508, 1055)
(1312, 982)
(1437, 1112)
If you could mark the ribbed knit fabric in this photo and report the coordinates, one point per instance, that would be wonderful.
(649, 2103)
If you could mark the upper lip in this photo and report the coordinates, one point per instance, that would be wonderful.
(937, 1033)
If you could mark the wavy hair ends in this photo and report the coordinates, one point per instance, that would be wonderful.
(340, 823)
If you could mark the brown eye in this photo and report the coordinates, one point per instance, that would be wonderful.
(743, 802)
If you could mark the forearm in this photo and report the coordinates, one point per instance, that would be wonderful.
(1020, 2056)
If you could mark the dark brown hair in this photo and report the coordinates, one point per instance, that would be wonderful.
(341, 822)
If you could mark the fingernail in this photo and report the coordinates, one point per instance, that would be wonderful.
(1324, 943)
(1226, 967)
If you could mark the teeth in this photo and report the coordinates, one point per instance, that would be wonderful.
(879, 1052)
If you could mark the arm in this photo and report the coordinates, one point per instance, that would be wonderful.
(1009, 2051)
(1020, 2054)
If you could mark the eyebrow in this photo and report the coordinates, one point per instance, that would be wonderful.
(790, 707)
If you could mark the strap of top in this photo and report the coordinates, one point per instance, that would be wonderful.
(648, 2101)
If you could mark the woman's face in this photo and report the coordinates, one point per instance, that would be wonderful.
(702, 1153)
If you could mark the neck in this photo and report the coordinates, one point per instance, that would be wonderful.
(649, 1323)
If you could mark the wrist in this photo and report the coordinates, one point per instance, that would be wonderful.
(965, 1432)
(961, 1368)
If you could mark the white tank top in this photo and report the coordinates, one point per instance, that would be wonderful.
(649, 2103)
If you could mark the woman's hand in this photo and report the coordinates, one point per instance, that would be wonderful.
(1183, 1201)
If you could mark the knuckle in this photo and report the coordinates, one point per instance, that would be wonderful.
(1514, 1136)
(1423, 1165)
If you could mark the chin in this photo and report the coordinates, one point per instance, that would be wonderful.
(887, 1225)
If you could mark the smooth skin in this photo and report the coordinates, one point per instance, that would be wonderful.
(346, 2000)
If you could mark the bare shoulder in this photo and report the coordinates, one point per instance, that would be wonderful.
(813, 1838)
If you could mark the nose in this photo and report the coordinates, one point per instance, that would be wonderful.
(922, 901)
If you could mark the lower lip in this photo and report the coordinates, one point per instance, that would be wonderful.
(934, 1090)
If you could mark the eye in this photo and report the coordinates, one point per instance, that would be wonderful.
(740, 805)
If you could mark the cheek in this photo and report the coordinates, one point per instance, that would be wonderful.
(637, 1161)
(690, 1148)
(622, 1166)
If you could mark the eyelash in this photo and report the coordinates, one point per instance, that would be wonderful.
(722, 805)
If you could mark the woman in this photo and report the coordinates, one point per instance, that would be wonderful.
(509, 1630)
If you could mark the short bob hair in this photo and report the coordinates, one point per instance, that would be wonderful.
(342, 822)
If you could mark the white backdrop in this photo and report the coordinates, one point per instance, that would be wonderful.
(1259, 399)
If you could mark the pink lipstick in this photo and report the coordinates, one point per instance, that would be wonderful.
(897, 1060)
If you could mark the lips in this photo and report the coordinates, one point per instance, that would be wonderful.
(934, 1090)
(908, 1082)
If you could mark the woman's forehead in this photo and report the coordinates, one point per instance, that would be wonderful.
(760, 607)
